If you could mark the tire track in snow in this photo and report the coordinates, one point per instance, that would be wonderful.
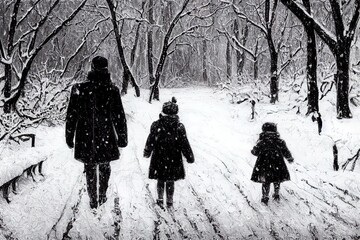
(215, 225)
(117, 216)
(5, 232)
(81, 188)
(75, 213)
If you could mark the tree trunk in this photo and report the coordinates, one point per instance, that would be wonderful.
(150, 56)
(241, 61)
(238, 53)
(165, 47)
(256, 60)
(274, 77)
(125, 83)
(256, 68)
(127, 76)
(228, 60)
(342, 81)
(205, 75)
(311, 67)
(7, 87)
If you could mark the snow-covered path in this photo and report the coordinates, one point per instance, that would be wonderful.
(216, 200)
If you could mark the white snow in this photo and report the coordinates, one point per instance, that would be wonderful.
(13, 163)
(217, 200)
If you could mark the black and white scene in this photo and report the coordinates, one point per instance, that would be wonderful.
(179, 119)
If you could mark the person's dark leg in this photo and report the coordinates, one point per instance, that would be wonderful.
(160, 192)
(90, 171)
(170, 188)
(104, 176)
(265, 192)
(276, 195)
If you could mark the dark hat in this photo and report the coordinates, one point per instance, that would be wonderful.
(99, 63)
(269, 127)
(170, 107)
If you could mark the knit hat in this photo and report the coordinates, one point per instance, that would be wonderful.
(170, 107)
(99, 63)
(269, 127)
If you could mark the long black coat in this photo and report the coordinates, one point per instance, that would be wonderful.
(167, 142)
(96, 117)
(270, 165)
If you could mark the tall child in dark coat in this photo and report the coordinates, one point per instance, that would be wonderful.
(270, 166)
(166, 143)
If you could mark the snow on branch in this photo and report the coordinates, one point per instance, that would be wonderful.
(82, 44)
(187, 31)
(238, 44)
(27, 13)
(354, 21)
(301, 13)
(292, 55)
(242, 15)
(27, 65)
(40, 24)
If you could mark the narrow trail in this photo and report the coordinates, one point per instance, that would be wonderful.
(216, 200)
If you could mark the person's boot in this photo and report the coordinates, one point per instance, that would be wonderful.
(276, 195)
(160, 203)
(265, 200)
(102, 199)
(265, 193)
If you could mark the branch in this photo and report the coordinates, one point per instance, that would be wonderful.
(338, 21)
(354, 21)
(307, 19)
(292, 55)
(14, 98)
(2, 52)
(243, 16)
(12, 27)
(27, 13)
(39, 24)
(236, 41)
(82, 44)
(273, 13)
(189, 30)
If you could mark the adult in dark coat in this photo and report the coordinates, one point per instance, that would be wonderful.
(96, 118)
(167, 142)
(270, 166)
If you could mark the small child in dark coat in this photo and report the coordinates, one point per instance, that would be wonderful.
(270, 166)
(165, 144)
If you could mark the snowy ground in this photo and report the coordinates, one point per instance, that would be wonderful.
(216, 200)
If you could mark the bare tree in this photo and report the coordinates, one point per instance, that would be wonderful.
(127, 75)
(28, 46)
(170, 40)
(339, 44)
(265, 24)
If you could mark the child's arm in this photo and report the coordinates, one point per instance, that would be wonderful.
(285, 151)
(185, 145)
(150, 143)
(256, 149)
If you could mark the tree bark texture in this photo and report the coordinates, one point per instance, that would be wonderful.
(127, 75)
(340, 46)
(150, 56)
(311, 66)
